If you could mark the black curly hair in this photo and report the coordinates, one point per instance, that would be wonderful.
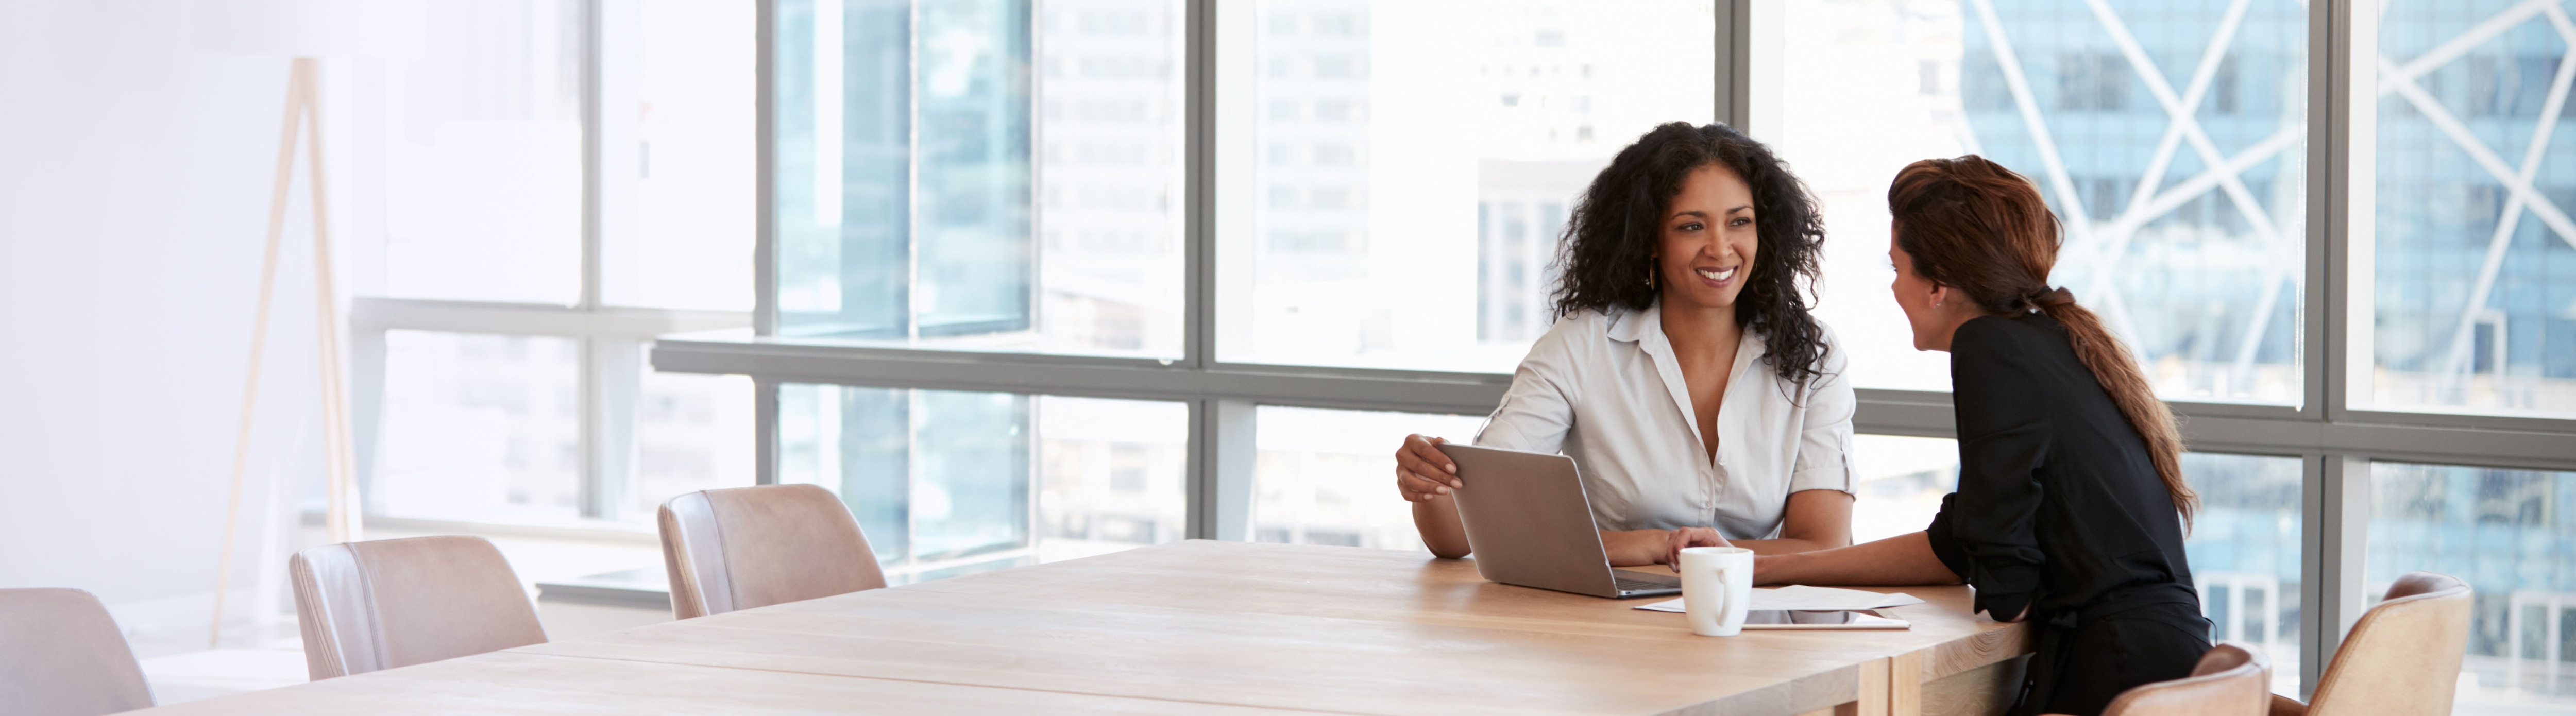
(1609, 245)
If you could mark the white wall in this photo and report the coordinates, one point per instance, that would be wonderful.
(134, 182)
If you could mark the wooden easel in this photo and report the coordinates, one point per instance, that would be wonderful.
(303, 108)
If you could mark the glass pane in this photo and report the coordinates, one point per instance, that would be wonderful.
(2167, 136)
(970, 489)
(1112, 475)
(1328, 476)
(941, 481)
(680, 162)
(2508, 534)
(2244, 552)
(1902, 481)
(692, 432)
(480, 428)
(1393, 176)
(981, 173)
(477, 174)
(2475, 265)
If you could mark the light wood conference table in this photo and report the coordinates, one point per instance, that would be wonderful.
(1209, 627)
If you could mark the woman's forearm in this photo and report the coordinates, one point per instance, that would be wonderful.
(1632, 548)
(1784, 545)
(1905, 559)
(1636, 548)
(1442, 533)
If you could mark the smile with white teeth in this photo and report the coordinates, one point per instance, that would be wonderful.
(1719, 274)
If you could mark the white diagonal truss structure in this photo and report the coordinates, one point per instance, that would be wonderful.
(2104, 243)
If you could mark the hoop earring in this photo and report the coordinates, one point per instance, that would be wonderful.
(1650, 280)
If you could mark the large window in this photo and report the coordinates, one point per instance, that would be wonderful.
(951, 482)
(539, 191)
(2474, 299)
(2167, 137)
(2244, 552)
(480, 428)
(1050, 278)
(2510, 535)
(1401, 171)
(1326, 476)
(990, 174)
(476, 152)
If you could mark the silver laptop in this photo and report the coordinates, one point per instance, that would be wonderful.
(1528, 523)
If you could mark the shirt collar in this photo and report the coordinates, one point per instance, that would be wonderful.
(1634, 326)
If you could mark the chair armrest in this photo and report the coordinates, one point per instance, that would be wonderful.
(2286, 706)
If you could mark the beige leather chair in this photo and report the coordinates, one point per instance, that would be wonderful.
(61, 655)
(748, 547)
(366, 606)
(2230, 680)
(2401, 659)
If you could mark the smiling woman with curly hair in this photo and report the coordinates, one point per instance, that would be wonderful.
(1700, 401)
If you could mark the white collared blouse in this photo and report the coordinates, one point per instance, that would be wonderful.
(1606, 390)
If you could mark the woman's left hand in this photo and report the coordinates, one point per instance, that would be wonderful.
(1690, 537)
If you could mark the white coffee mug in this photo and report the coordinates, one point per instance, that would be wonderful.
(1717, 586)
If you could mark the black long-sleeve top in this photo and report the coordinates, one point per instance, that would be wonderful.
(2059, 506)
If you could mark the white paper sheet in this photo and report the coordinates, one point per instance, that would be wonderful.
(1801, 597)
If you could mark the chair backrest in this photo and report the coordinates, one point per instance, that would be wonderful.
(748, 547)
(2403, 656)
(2231, 680)
(61, 655)
(375, 605)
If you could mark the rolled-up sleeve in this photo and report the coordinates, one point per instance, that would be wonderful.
(1985, 531)
(1538, 411)
(1825, 437)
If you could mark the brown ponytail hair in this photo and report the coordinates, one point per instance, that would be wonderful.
(1973, 225)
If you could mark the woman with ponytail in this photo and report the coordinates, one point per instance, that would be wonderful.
(2071, 505)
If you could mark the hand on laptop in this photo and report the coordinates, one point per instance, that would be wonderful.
(1422, 472)
(1691, 537)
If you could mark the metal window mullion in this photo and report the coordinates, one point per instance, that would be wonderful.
(2331, 540)
(532, 319)
(1215, 496)
(367, 352)
(1222, 452)
(2322, 365)
(591, 480)
(592, 179)
(764, 428)
(1033, 465)
(911, 171)
(1198, 183)
(2334, 542)
(611, 377)
(764, 247)
(1733, 92)
(911, 473)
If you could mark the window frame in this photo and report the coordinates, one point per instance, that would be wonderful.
(612, 338)
(2335, 437)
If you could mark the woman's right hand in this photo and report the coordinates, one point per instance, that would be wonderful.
(1422, 472)
(1688, 537)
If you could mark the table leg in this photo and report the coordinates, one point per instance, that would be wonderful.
(1873, 696)
(1905, 685)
